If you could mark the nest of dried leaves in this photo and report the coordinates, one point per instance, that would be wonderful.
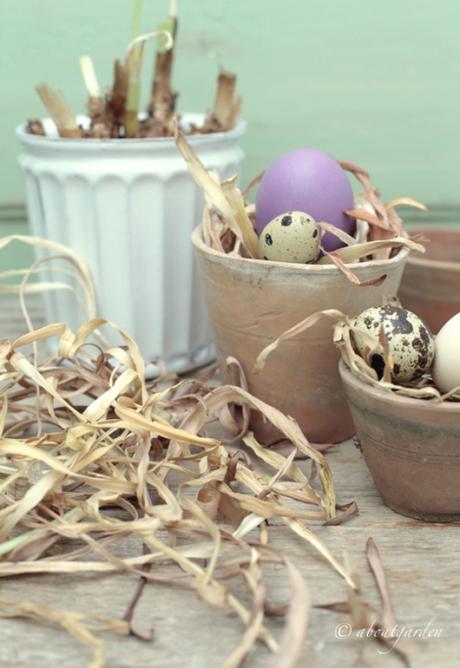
(228, 219)
(345, 334)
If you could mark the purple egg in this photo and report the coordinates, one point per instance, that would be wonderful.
(306, 180)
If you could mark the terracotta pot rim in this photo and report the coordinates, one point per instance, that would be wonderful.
(198, 242)
(392, 399)
(427, 263)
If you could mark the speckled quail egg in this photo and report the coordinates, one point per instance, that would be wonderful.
(291, 237)
(410, 341)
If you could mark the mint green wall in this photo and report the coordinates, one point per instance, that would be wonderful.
(375, 82)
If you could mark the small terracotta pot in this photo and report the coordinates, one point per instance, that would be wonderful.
(410, 447)
(251, 302)
(431, 282)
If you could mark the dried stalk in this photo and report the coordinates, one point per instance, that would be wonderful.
(162, 99)
(227, 105)
(96, 103)
(59, 110)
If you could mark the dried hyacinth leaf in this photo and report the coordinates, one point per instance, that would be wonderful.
(297, 617)
(301, 530)
(255, 623)
(225, 94)
(276, 461)
(12, 514)
(59, 110)
(349, 510)
(338, 606)
(389, 621)
(247, 524)
(248, 235)
(78, 262)
(19, 547)
(370, 192)
(285, 425)
(358, 251)
(226, 107)
(24, 366)
(134, 61)
(34, 288)
(294, 331)
(453, 394)
(53, 565)
(3, 414)
(266, 509)
(116, 101)
(369, 217)
(81, 626)
(234, 113)
(396, 222)
(235, 419)
(16, 447)
(405, 201)
(347, 239)
(389, 225)
(138, 421)
(233, 211)
(97, 111)
(351, 276)
(162, 99)
(99, 407)
(387, 356)
(353, 168)
(210, 188)
(361, 614)
(261, 510)
(214, 592)
(252, 184)
(89, 76)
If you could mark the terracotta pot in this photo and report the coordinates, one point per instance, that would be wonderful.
(410, 447)
(431, 283)
(251, 302)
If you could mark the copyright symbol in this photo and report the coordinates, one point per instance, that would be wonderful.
(342, 631)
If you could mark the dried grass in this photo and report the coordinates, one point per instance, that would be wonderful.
(92, 453)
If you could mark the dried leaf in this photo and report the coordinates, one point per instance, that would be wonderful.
(389, 622)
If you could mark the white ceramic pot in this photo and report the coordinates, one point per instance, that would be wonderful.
(129, 207)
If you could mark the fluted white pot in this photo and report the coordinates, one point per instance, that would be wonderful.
(129, 207)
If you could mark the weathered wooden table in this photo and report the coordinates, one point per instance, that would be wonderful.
(420, 560)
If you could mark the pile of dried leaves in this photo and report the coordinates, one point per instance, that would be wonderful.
(116, 113)
(228, 220)
(92, 453)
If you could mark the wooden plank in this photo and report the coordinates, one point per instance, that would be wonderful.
(419, 559)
